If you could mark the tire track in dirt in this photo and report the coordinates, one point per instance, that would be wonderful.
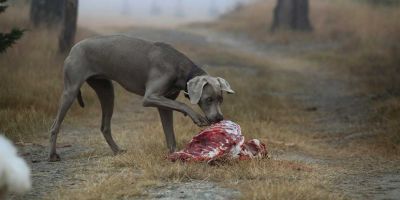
(50, 176)
(341, 113)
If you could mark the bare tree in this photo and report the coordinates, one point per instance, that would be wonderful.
(61, 14)
(155, 8)
(68, 29)
(292, 15)
(46, 12)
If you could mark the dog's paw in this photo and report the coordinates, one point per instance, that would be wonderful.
(54, 158)
(119, 152)
(173, 150)
(199, 120)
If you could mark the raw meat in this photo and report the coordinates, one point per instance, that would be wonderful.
(222, 140)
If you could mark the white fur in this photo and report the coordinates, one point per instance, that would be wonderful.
(14, 172)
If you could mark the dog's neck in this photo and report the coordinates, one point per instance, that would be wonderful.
(193, 72)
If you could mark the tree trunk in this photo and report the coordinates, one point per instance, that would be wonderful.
(291, 15)
(68, 29)
(46, 12)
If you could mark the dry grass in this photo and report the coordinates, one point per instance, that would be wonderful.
(256, 179)
(129, 175)
(33, 84)
(263, 116)
(332, 21)
(31, 74)
(366, 50)
(369, 55)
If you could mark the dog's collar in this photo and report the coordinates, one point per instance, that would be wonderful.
(189, 77)
(186, 92)
(194, 71)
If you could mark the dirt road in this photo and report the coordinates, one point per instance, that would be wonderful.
(339, 115)
(341, 118)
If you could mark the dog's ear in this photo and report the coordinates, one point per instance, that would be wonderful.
(225, 85)
(195, 88)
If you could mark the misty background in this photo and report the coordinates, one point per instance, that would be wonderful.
(159, 13)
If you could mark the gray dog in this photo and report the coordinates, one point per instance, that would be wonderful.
(156, 71)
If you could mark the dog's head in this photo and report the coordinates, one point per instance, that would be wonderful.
(206, 91)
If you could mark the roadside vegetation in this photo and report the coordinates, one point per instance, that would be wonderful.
(359, 40)
(31, 76)
(366, 47)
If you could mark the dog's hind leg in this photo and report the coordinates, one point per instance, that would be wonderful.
(105, 91)
(67, 98)
(75, 75)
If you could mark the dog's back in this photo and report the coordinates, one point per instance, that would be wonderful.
(124, 59)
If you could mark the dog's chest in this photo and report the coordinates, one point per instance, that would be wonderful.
(172, 92)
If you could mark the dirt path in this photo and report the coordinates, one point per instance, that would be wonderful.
(48, 177)
(82, 154)
(340, 115)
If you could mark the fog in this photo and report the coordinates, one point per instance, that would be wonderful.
(159, 13)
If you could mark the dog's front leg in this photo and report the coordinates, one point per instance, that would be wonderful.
(167, 121)
(154, 100)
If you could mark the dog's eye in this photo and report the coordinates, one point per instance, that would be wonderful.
(209, 100)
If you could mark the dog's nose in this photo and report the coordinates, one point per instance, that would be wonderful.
(218, 118)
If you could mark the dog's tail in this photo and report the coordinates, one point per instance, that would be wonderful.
(80, 100)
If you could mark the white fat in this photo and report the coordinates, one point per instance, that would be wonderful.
(235, 151)
(256, 142)
(213, 153)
